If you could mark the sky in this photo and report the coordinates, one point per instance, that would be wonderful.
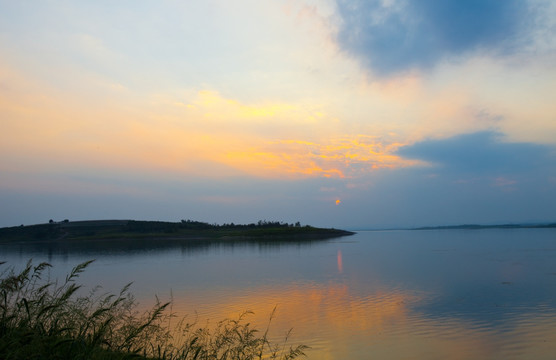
(335, 113)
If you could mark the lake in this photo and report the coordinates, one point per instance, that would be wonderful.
(428, 294)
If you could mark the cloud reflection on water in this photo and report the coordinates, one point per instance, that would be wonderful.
(337, 321)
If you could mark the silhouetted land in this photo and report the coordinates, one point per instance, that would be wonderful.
(154, 230)
(479, 227)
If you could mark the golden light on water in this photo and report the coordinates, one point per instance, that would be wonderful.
(381, 317)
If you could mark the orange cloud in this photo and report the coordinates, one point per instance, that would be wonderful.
(203, 134)
(343, 157)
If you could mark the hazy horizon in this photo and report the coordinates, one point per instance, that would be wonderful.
(333, 113)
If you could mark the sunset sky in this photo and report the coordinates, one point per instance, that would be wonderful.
(335, 113)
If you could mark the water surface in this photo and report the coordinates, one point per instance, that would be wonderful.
(457, 294)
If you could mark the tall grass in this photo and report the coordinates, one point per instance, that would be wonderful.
(42, 319)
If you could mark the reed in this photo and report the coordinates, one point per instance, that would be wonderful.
(42, 319)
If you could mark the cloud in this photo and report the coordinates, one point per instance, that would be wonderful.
(481, 152)
(471, 178)
(390, 37)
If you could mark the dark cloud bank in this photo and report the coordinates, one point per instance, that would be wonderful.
(474, 178)
(418, 34)
(480, 153)
(477, 178)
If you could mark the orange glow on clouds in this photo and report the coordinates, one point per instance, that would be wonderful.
(205, 134)
(215, 109)
(345, 157)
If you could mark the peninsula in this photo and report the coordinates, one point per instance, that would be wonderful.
(186, 229)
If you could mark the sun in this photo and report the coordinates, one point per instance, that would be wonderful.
(338, 201)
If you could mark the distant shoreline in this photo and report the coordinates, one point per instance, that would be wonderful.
(125, 230)
(464, 227)
(479, 227)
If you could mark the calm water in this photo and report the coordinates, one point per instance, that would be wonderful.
(450, 294)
